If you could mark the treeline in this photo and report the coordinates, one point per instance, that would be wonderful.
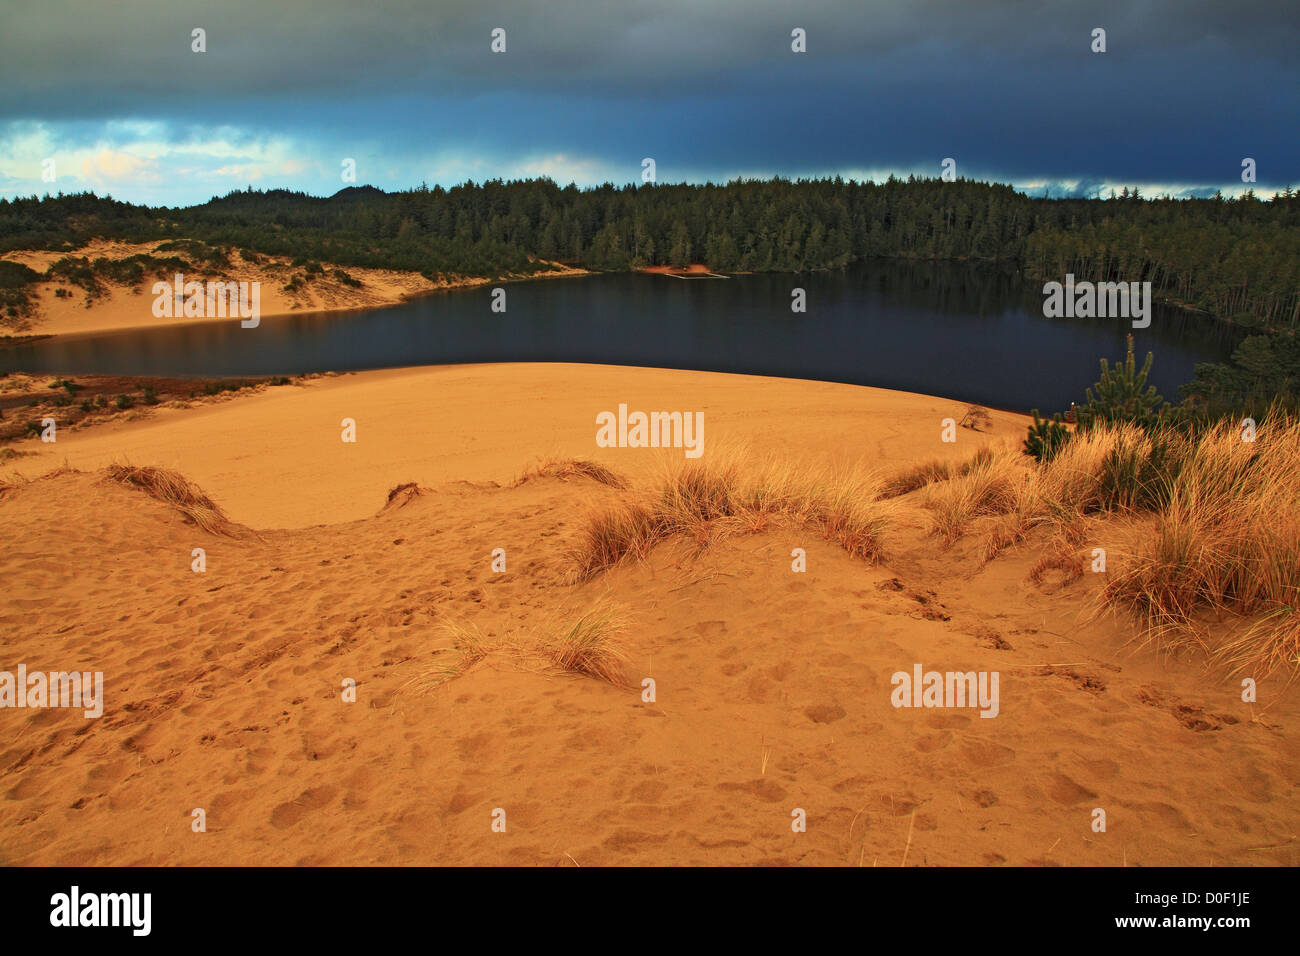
(1238, 259)
(1231, 259)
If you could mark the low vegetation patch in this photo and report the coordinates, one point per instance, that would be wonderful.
(705, 501)
(566, 468)
(592, 645)
(464, 646)
(16, 282)
(1212, 522)
(25, 400)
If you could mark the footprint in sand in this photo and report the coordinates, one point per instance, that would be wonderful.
(291, 811)
(764, 789)
(1190, 716)
(932, 742)
(981, 798)
(824, 713)
(985, 754)
(1067, 792)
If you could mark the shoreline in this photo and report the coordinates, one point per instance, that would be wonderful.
(19, 340)
(65, 311)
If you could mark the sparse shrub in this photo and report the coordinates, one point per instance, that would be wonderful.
(976, 418)
(226, 385)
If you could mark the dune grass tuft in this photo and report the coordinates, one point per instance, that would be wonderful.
(176, 490)
(1214, 522)
(11, 484)
(466, 646)
(990, 483)
(706, 501)
(592, 645)
(565, 468)
(627, 529)
(917, 477)
(1226, 541)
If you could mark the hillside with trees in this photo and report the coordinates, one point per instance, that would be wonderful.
(1237, 259)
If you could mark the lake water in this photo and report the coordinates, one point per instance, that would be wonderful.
(957, 330)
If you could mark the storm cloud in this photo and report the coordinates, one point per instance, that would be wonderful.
(286, 90)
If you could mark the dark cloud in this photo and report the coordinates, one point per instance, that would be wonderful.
(1010, 89)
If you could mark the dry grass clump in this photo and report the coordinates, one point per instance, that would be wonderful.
(991, 483)
(401, 495)
(1271, 643)
(565, 468)
(929, 472)
(1064, 553)
(1227, 540)
(592, 645)
(176, 490)
(846, 508)
(466, 646)
(11, 484)
(1220, 526)
(1224, 537)
(911, 479)
(706, 501)
(627, 529)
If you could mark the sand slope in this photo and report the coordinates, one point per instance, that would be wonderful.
(276, 459)
(224, 687)
(224, 693)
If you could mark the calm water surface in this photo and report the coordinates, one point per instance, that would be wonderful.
(962, 331)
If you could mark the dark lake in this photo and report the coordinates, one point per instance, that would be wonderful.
(963, 331)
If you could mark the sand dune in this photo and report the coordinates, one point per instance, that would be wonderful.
(276, 459)
(772, 688)
(62, 309)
